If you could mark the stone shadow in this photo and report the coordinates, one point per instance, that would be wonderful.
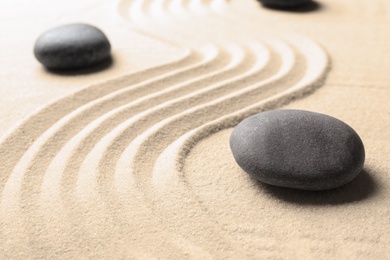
(362, 187)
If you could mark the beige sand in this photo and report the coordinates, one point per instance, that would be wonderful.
(132, 161)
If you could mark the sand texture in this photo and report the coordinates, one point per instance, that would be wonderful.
(131, 160)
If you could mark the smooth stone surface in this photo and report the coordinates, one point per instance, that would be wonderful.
(284, 3)
(72, 46)
(298, 149)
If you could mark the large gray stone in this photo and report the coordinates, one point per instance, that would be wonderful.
(72, 46)
(298, 149)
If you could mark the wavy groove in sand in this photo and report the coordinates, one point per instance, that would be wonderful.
(110, 152)
(168, 169)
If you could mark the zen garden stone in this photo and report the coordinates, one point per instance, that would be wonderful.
(284, 3)
(72, 46)
(298, 149)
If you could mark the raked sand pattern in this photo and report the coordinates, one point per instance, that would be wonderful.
(104, 172)
(113, 153)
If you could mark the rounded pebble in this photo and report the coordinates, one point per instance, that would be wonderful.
(72, 46)
(284, 3)
(298, 149)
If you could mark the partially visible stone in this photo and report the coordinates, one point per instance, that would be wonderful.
(72, 46)
(284, 3)
(298, 149)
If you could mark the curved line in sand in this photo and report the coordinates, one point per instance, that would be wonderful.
(116, 140)
(254, 90)
(135, 167)
(318, 65)
(159, 19)
(15, 145)
(86, 186)
(139, 10)
(169, 178)
(36, 158)
(242, 87)
(170, 189)
(38, 154)
(228, 61)
(239, 66)
(18, 140)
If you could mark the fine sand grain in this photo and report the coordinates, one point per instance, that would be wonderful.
(131, 159)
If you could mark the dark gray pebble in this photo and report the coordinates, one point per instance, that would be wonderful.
(284, 3)
(72, 46)
(298, 149)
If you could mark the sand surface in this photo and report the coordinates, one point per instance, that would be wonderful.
(130, 160)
